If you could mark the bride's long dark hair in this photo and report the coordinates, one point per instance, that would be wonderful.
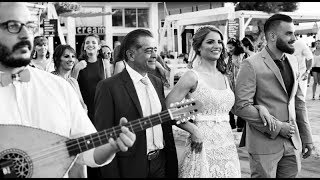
(197, 39)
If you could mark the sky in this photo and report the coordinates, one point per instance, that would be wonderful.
(309, 7)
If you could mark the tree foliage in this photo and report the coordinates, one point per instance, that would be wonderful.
(64, 7)
(61, 7)
(269, 7)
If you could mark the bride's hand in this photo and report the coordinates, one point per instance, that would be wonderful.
(196, 141)
(267, 118)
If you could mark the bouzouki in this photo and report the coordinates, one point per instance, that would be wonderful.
(27, 152)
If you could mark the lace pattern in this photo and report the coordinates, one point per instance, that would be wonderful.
(219, 157)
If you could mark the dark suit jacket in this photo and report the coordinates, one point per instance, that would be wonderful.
(116, 97)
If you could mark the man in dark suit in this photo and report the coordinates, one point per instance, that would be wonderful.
(125, 95)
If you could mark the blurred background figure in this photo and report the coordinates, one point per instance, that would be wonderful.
(162, 71)
(185, 58)
(64, 58)
(236, 55)
(40, 56)
(247, 46)
(106, 54)
(316, 69)
(305, 60)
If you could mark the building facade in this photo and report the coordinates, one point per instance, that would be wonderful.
(126, 16)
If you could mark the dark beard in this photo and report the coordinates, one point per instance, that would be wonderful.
(6, 58)
(282, 46)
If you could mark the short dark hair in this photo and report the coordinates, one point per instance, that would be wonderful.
(236, 43)
(58, 52)
(247, 43)
(131, 40)
(274, 21)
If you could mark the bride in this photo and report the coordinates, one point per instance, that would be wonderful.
(211, 150)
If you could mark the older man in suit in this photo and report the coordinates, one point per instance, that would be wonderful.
(270, 79)
(125, 95)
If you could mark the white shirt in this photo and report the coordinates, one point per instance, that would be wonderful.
(47, 102)
(49, 67)
(142, 96)
(316, 62)
(302, 52)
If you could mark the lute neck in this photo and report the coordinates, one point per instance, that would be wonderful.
(82, 144)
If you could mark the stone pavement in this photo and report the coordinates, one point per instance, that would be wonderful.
(310, 166)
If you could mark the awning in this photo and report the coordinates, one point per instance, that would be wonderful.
(86, 14)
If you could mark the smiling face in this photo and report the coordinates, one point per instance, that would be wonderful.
(106, 51)
(41, 49)
(144, 58)
(91, 45)
(15, 49)
(68, 59)
(285, 37)
(211, 47)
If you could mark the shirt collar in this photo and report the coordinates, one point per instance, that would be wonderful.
(135, 76)
(274, 56)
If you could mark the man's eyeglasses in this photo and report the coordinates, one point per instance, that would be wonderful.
(15, 27)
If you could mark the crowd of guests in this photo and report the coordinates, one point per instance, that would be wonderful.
(100, 89)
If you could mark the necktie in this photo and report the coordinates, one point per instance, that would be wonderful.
(156, 130)
(7, 78)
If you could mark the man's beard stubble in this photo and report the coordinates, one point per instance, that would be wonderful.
(282, 46)
(6, 58)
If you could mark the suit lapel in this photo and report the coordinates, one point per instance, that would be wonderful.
(274, 68)
(131, 90)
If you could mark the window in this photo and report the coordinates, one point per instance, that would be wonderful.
(143, 15)
(131, 17)
(117, 17)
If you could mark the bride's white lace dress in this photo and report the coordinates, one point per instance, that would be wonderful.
(219, 157)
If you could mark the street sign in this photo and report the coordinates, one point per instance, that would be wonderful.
(84, 30)
(233, 28)
(50, 27)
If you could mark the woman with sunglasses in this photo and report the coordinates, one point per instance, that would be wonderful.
(40, 56)
(106, 53)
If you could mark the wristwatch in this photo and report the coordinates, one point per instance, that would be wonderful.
(308, 71)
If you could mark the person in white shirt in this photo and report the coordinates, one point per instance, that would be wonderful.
(32, 97)
(305, 59)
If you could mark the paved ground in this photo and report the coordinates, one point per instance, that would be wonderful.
(310, 166)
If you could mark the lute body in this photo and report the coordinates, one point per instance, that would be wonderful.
(21, 144)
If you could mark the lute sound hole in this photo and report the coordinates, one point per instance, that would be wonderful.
(22, 164)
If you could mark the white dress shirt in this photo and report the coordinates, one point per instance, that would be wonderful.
(49, 103)
(156, 107)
